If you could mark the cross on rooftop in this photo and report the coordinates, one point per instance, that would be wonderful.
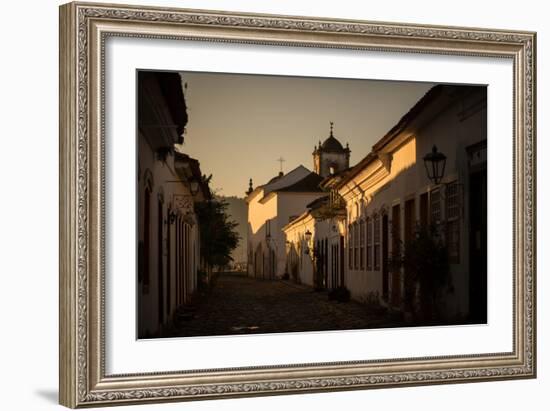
(281, 160)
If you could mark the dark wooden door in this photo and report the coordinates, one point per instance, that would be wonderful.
(385, 270)
(146, 240)
(396, 245)
(478, 247)
(424, 210)
(409, 220)
(409, 286)
(335, 259)
(185, 262)
(342, 259)
(160, 265)
(325, 265)
(168, 264)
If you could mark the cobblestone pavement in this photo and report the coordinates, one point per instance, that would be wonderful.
(242, 305)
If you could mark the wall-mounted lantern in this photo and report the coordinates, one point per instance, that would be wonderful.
(307, 236)
(434, 162)
(171, 216)
(194, 187)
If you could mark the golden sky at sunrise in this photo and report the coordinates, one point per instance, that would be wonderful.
(239, 125)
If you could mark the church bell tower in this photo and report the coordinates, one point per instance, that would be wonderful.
(330, 157)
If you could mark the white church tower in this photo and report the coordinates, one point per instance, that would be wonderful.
(330, 157)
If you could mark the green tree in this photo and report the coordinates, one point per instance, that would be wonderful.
(218, 237)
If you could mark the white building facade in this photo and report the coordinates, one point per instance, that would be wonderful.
(169, 183)
(315, 239)
(315, 245)
(389, 196)
(270, 207)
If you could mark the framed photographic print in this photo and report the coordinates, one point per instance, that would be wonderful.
(260, 204)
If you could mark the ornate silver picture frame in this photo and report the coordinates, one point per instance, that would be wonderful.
(84, 30)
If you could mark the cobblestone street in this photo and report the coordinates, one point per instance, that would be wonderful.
(242, 305)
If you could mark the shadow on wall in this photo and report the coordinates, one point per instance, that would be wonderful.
(262, 259)
(50, 395)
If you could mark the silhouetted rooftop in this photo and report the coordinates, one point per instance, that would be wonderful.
(436, 95)
(281, 174)
(195, 172)
(309, 184)
(333, 145)
(169, 84)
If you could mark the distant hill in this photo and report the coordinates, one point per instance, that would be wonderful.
(238, 210)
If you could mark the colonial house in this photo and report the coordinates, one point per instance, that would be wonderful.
(270, 207)
(285, 197)
(301, 263)
(429, 168)
(169, 183)
(315, 240)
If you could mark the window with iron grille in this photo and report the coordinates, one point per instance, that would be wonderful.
(369, 243)
(350, 248)
(452, 201)
(435, 206)
(362, 244)
(452, 214)
(356, 245)
(376, 258)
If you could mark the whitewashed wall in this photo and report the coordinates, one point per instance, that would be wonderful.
(407, 179)
(39, 390)
(163, 186)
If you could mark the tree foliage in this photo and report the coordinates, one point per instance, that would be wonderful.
(218, 237)
(426, 267)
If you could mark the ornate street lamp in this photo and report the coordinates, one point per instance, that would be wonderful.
(194, 187)
(434, 162)
(171, 216)
(308, 239)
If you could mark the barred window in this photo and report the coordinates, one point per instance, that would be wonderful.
(356, 246)
(369, 243)
(435, 206)
(376, 242)
(452, 201)
(350, 248)
(452, 214)
(362, 244)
